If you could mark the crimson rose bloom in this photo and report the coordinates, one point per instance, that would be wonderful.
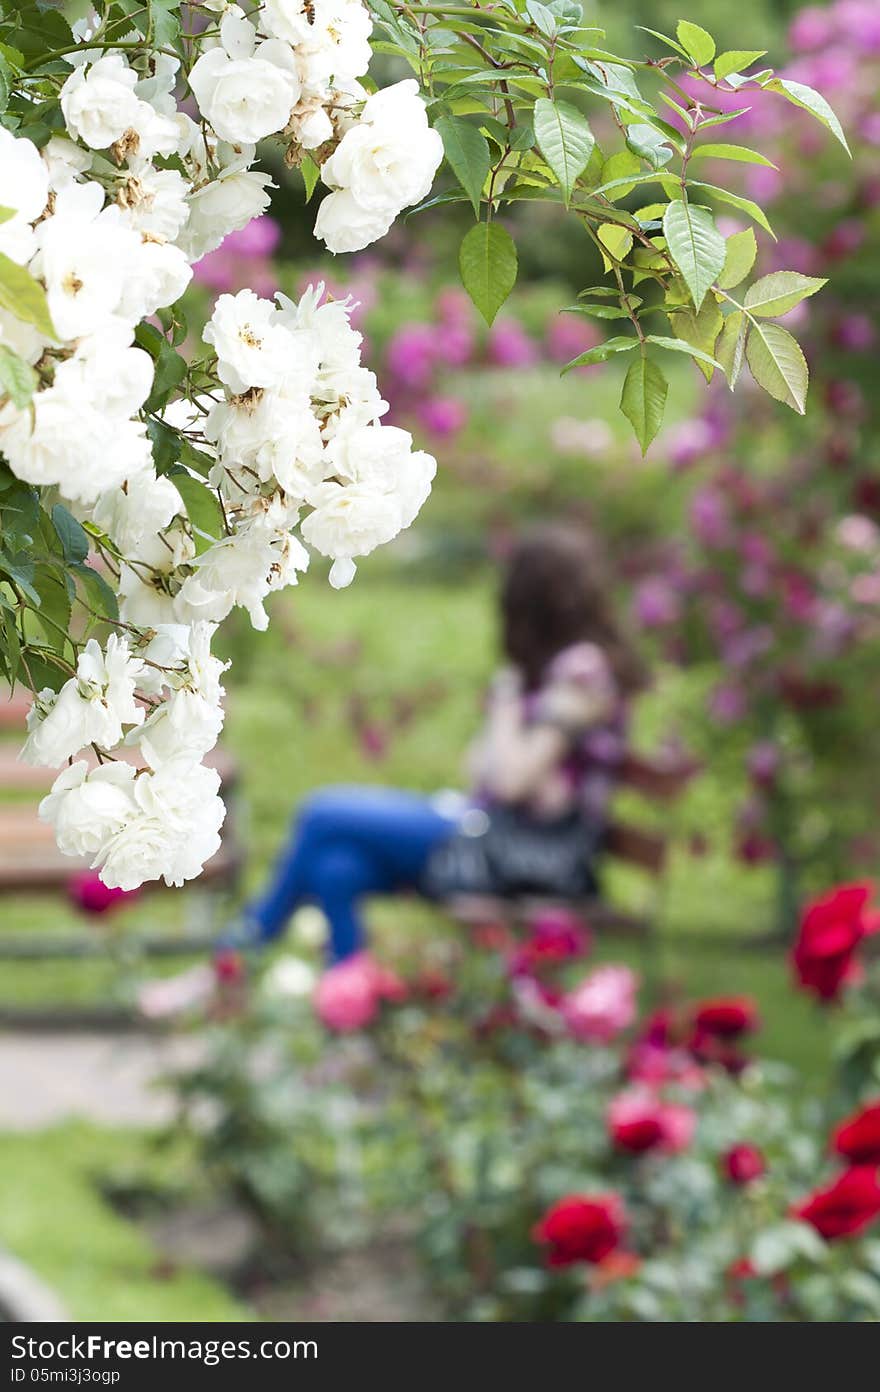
(581, 1228)
(726, 1017)
(858, 1138)
(846, 1206)
(638, 1121)
(743, 1163)
(831, 929)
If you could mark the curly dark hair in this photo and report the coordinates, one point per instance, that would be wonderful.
(557, 590)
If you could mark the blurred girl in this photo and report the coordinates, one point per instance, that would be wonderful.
(542, 769)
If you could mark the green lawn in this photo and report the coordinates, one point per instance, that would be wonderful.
(53, 1215)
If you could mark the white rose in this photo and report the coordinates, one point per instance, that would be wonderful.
(350, 520)
(186, 725)
(290, 978)
(249, 97)
(226, 204)
(141, 506)
(158, 274)
(389, 158)
(332, 36)
(99, 101)
(83, 257)
(91, 707)
(24, 186)
(277, 437)
(155, 201)
(173, 830)
(343, 225)
(253, 347)
(65, 162)
(381, 457)
(242, 570)
(86, 809)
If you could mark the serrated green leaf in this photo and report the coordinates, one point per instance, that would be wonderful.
(310, 175)
(602, 352)
(617, 242)
(742, 249)
(745, 205)
(100, 597)
(664, 38)
(735, 59)
(700, 331)
(202, 507)
(695, 245)
(565, 140)
(17, 378)
(643, 399)
(488, 265)
(649, 144)
(801, 95)
(467, 151)
(24, 297)
(74, 542)
(778, 365)
(730, 347)
(779, 292)
(699, 44)
(677, 345)
(739, 153)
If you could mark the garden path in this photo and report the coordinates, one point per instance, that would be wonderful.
(105, 1078)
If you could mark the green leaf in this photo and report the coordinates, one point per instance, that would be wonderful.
(597, 311)
(700, 331)
(202, 507)
(736, 200)
(699, 45)
(565, 140)
(664, 38)
(467, 151)
(730, 347)
(602, 352)
(6, 215)
(54, 615)
(735, 59)
(24, 297)
(695, 245)
(649, 144)
(779, 292)
(74, 542)
(679, 346)
(170, 367)
(778, 365)
(801, 95)
(740, 153)
(742, 249)
(17, 378)
(310, 175)
(643, 399)
(487, 261)
(616, 240)
(100, 597)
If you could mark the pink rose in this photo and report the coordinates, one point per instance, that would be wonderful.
(602, 1005)
(349, 994)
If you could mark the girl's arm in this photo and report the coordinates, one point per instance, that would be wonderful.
(517, 757)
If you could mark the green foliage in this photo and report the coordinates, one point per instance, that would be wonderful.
(488, 267)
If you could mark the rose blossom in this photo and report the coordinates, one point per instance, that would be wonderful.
(349, 994)
(602, 1005)
(847, 1206)
(743, 1163)
(831, 929)
(726, 1017)
(638, 1121)
(581, 1228)
(858, 1138)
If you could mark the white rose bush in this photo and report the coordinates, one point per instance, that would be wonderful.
(146, 489)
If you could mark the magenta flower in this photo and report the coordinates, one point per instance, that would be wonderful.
(811, 28)
(411, 355)
(656, 604)
(443, 416)
(568, 336)
(709, 517)
(602, 1005)
(510, 345)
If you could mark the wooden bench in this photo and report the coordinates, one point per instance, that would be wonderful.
(660, 779)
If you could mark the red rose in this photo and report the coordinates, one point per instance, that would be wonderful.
(858, 1138)
(743, 1163)
(229, 966)
(581, 1228)
(726, 1017)
(846, 1206)
(831, 929)
(638, 1120)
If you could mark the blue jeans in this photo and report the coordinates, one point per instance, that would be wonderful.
(347, 843)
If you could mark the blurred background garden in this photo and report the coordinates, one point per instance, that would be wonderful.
(403, 1171)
